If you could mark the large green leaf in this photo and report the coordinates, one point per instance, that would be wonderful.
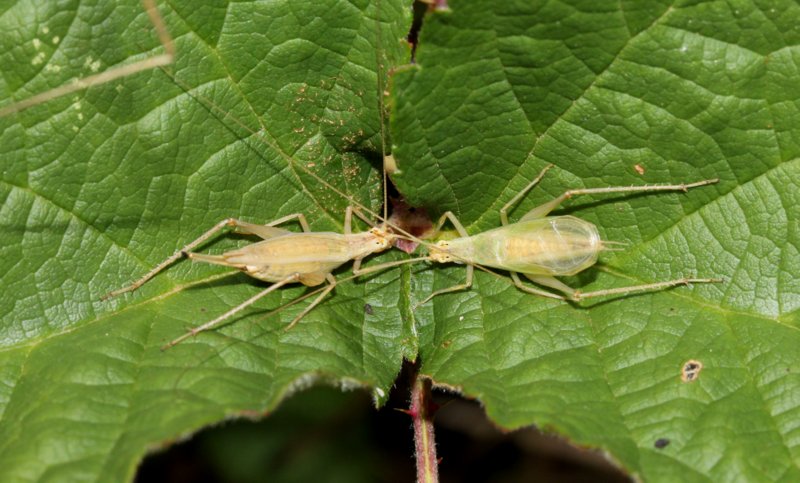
(612, 94)
(100, 186)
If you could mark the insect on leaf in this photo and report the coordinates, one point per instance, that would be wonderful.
(605, 91)
(101, 185)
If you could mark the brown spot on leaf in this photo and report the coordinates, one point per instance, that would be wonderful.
(691, 370)
(412, 220)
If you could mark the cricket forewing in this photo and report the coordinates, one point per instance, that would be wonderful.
(559, 245)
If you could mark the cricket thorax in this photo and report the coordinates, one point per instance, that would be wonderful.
(439, 253)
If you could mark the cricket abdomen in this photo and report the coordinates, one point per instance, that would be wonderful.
(275, 259)
(309, 255)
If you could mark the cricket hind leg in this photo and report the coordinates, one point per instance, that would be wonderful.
(647, 287)
(521, 194)
(213, 323)
(180, 253)
(331, 285)
(263, 231)
(545, 209)
(576, 295)
(547, 282)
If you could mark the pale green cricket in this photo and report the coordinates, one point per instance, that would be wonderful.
(543, 247)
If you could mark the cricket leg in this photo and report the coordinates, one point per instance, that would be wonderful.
(348, 220)
(448, 215)
(331, 285)
(518, 196)
(546, 208)
(240, 226)
(547, 282)
(269, 230)
(455, 288)
(648, 287)
(172, 258)
(577, 295)
(348, 216)
(208, 325)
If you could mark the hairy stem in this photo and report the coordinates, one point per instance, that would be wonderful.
(421, 409)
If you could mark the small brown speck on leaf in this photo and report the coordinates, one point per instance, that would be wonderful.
(691, 370)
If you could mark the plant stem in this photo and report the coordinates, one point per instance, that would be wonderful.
(421, 409)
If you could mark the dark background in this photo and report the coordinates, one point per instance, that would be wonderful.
(327, 435)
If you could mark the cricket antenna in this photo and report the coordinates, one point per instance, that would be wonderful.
(379, 71)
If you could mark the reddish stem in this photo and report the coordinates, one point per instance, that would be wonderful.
(421, 409)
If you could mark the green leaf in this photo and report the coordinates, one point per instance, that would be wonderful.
(683, 93)
(99, 186)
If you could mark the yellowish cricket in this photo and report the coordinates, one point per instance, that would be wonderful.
(283, 257)
(543, 247)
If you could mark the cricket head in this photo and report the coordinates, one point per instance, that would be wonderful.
(381, 239)
(439, 252)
